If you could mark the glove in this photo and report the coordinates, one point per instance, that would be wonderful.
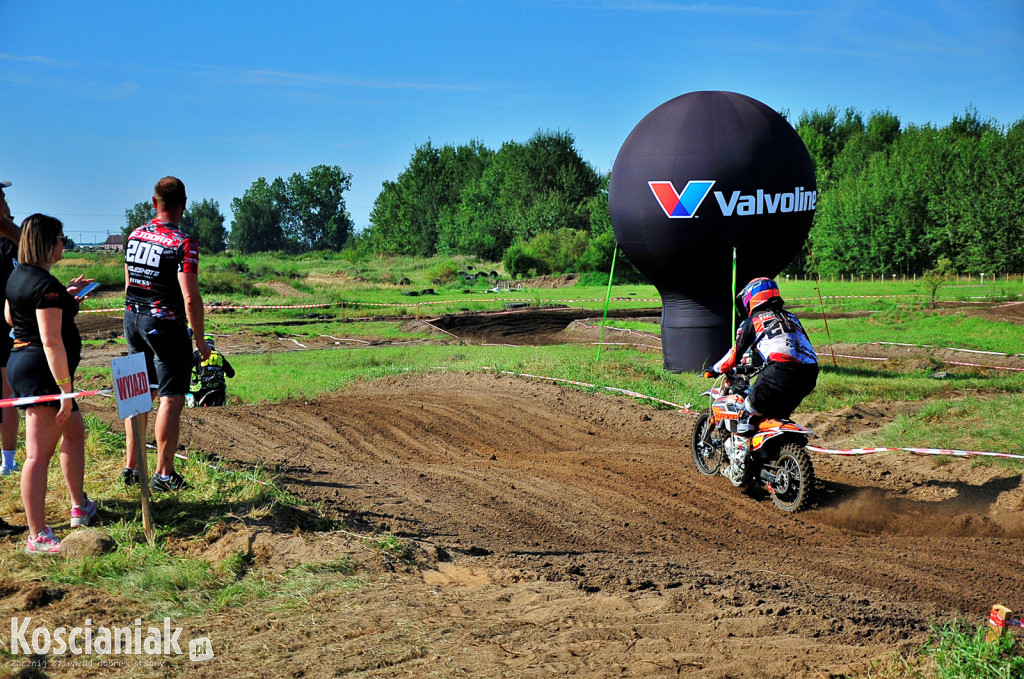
(710, 373)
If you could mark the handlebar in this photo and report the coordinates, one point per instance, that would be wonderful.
(744, 370)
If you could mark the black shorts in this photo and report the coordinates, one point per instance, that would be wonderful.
(167, 347)
(6, 344)
(29, 374)
(780, 388)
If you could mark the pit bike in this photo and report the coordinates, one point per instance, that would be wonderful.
(773, 456)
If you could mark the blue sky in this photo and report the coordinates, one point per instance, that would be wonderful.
(99, 100)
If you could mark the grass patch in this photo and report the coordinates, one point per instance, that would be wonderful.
(920, 326)
(969, 423)
(956, 650)
(164, 580)
(278, 377)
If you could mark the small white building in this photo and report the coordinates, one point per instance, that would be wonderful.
(114, 242)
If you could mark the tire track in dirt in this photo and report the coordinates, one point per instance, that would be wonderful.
(599, 491)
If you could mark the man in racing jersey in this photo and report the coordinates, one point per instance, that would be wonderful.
(779, 340)
(161, 301)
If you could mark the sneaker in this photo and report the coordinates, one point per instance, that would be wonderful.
(45, 543)
(7, 529)
(174, 482)
(129, 476)
(81, 516)
(6, 471)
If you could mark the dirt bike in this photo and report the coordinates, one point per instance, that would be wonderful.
(774, 455)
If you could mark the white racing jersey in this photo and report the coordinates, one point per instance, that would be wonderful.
(776, 335)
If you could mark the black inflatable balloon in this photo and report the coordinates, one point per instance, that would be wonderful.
(699, 175)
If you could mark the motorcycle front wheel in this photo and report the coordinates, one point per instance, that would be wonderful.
(795, 478)
(706, 455)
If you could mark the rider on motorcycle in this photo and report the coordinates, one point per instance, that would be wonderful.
(207, 386)
(779, 340)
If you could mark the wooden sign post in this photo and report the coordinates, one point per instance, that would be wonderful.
(131, 386)
(998, 621)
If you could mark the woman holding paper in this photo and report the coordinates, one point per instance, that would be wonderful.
(47, 350)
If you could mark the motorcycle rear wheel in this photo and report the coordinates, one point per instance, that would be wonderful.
(796, 478)
(706, 456)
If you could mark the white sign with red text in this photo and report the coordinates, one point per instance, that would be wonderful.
(131, 385)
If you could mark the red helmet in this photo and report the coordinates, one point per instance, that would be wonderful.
(757, 292)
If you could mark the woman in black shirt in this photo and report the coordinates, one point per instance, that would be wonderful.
(47, 350)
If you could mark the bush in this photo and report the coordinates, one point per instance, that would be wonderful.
(444, 273)
(559, 250)
(225, 283)
(935, 277)
(519, 261)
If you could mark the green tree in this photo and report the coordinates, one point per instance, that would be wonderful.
(542, 185)
(207, 225)
(826, 134)
(408, 211)
(258, 214)
(934, 278)
(137, 215)
(313, 208)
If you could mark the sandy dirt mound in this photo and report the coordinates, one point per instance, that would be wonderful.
(283, 289)
(563, 281)
(575, 532)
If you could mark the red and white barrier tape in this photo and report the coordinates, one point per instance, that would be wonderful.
(990, 367)
(933, 346)
(857, 358)
(917, 451)
(628, 331)
(970, 365)
(853, 297)
(816, 449)
(33, 400)
(683, 409)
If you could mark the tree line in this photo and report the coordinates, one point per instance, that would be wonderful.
(895, 199)
(892, 199)
(302, 213)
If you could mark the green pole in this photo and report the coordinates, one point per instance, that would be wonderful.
(607, 300)
(732, 297)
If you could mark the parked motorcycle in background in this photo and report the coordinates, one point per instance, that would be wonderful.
(774, 456)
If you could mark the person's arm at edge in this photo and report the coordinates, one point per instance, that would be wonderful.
(56, 356)
(194, 312)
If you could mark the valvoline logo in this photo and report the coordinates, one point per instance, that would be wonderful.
(684, 204)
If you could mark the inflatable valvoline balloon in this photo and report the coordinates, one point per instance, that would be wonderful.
(699, 175)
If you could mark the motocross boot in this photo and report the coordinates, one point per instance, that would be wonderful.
(746, 424)
(737, 460)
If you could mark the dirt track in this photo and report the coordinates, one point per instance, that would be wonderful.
(531, 482)
(568, 532)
